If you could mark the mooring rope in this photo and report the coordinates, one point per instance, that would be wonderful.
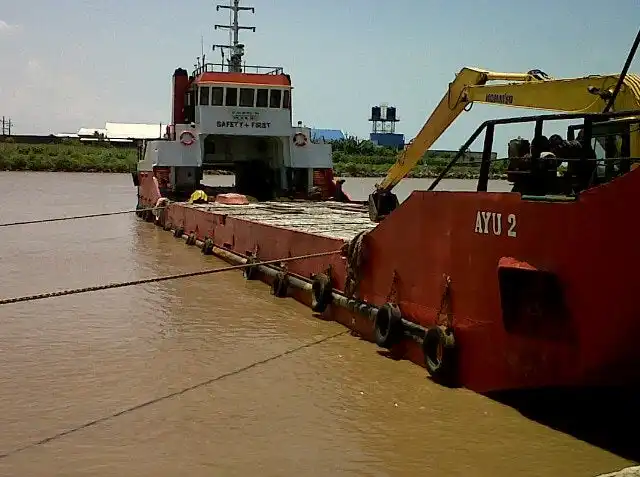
(169, 395)
(162, 278)
(88, 216)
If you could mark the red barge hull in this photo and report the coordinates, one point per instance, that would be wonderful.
(491, 291)
(535, 293)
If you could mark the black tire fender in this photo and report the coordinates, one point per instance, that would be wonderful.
(178, 232)
(388, 328)
(440, 354)
(249, 272)
(321, 292)
(207, 247)
(280, 285)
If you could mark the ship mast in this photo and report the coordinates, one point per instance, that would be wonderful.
(237, 49)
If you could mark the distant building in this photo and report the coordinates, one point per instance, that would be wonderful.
(126, 132)
(383, 130)
(135, 131)
(326, 135)
(393, 140)
(92, 133)
(119, 132)
(469, 157)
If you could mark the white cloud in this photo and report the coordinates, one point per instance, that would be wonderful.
(44, 98)
(8, 28)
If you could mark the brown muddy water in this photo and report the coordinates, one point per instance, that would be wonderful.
(334, 408)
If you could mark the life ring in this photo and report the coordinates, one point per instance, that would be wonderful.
(187, 134)
(300, 139)
(388, 326)
(440, 355)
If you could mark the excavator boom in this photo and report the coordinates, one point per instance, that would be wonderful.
(523, 90)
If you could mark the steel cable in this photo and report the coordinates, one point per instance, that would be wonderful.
(74, 291)
(168, 396)
(88, 216)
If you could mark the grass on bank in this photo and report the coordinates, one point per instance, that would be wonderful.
(351, 157)
(71, 157)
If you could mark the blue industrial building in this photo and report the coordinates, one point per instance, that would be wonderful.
(326, 135)
(388, 139)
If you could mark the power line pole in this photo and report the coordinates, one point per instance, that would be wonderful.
(6, 126)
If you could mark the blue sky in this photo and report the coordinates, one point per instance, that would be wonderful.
(74, 63)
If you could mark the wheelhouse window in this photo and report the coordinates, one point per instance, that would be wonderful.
(286, 99)
(232, 97)
(262, 98)
(204, 96)
(217, 96)
(275, 98)
(246, 97)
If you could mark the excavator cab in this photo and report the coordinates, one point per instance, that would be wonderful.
(594, 152)
(614, 142)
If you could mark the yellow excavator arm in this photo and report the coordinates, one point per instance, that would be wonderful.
(524, 90)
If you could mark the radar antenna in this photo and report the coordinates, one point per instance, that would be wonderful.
(237, 49)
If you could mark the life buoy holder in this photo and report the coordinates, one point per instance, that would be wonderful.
(440, 355)
(187, 138)
(300, 139)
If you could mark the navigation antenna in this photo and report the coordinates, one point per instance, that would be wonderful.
(237, 49)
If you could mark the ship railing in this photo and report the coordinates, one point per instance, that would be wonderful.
(221, 67)
(629, 117)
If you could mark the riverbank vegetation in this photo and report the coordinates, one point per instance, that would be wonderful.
(352, 158)
(362, 158)
(70, 156)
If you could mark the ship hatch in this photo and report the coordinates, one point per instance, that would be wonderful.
(532, 302)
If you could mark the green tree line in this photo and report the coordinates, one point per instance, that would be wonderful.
(352, 157)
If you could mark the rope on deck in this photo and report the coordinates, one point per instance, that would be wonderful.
(162, 278)
(88, 216)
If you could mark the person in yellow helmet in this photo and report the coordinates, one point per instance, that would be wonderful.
(198, 197)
